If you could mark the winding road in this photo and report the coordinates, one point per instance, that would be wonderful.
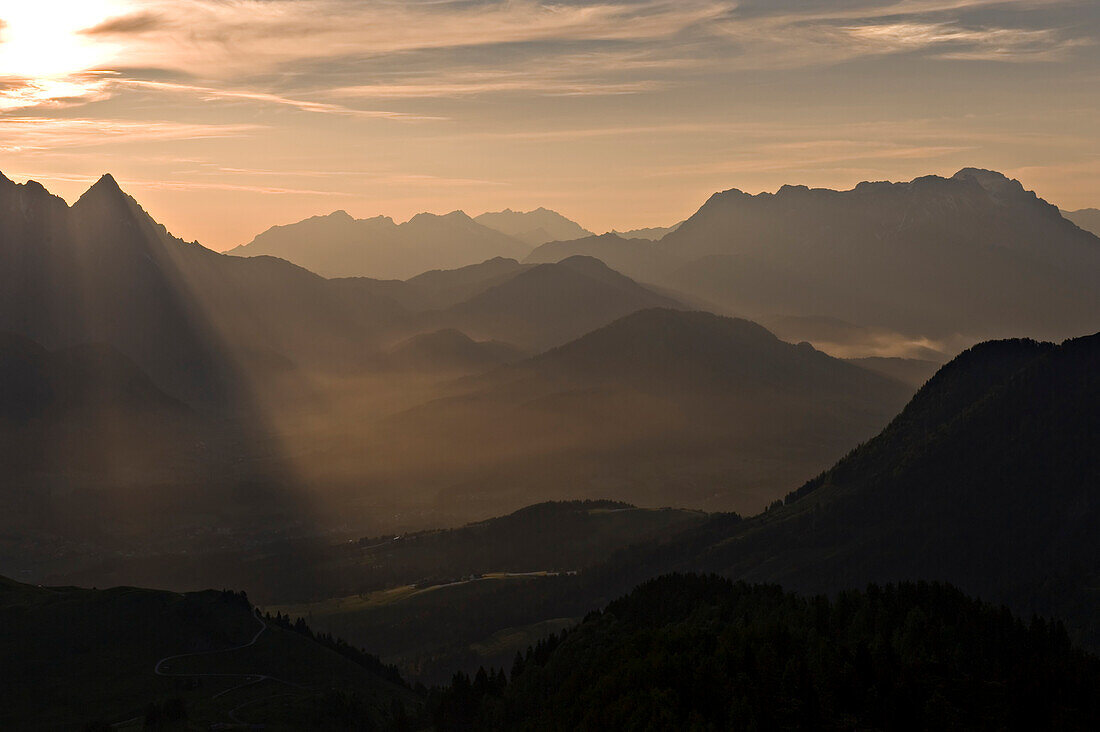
(249, 679)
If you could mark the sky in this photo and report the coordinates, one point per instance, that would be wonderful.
(225, 117)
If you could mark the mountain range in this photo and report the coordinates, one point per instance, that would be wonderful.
(661, 407)
(338, 245)
(987, 479)
(940, 262)
(533, 227)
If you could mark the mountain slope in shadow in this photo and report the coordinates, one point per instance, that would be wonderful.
(987, 479)
(75, 657)
(685, 651)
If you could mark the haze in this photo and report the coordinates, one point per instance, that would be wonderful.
(223, 118)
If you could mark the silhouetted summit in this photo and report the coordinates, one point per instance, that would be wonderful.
(533, 227)
(933, 262)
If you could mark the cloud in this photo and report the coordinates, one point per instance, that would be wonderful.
(20, 93)
(45, 133)
(207, 93)
(953, 41)
(126, 25)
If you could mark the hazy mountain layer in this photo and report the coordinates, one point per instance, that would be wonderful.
(662, 407)
(551, 304)
(987, 479)
(1087, 218)
(653, 233)
(451, 351)
(338, 245)
(638, 258)
(943, 261)
(533, 227)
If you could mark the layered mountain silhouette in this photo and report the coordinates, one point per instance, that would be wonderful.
(439, 289)
(338, 245)
(550, 304)
(533, 227)
(974, 255)
(1087, 218)
(639, 258)
(202, 325)
(653, 233)
(987, 479)
(527, 305)
(662, 407)
(452, 351)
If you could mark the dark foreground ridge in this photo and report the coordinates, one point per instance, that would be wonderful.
(691, 652)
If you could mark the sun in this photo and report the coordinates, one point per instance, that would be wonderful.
(43, 39)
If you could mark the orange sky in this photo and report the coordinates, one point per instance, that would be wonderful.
(224, 118)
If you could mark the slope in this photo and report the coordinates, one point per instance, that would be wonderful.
(695, 652)
(74, 657)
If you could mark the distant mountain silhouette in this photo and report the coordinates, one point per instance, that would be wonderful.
(451, 351)
(662, 407)
(338, 245)
(1087, 218)
(550, 304)
(973, 254)
(441, 288)
(653, 233)
(912, 371)
(195, 321)
(953, 260)
(533, 227)
(638, 258)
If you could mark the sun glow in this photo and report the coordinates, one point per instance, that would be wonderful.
(42, 40)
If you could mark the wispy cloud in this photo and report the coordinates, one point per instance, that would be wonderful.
(46, 133)
(208, 93)
(20, 93)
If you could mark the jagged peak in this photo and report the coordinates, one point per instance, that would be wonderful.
(105, 189)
